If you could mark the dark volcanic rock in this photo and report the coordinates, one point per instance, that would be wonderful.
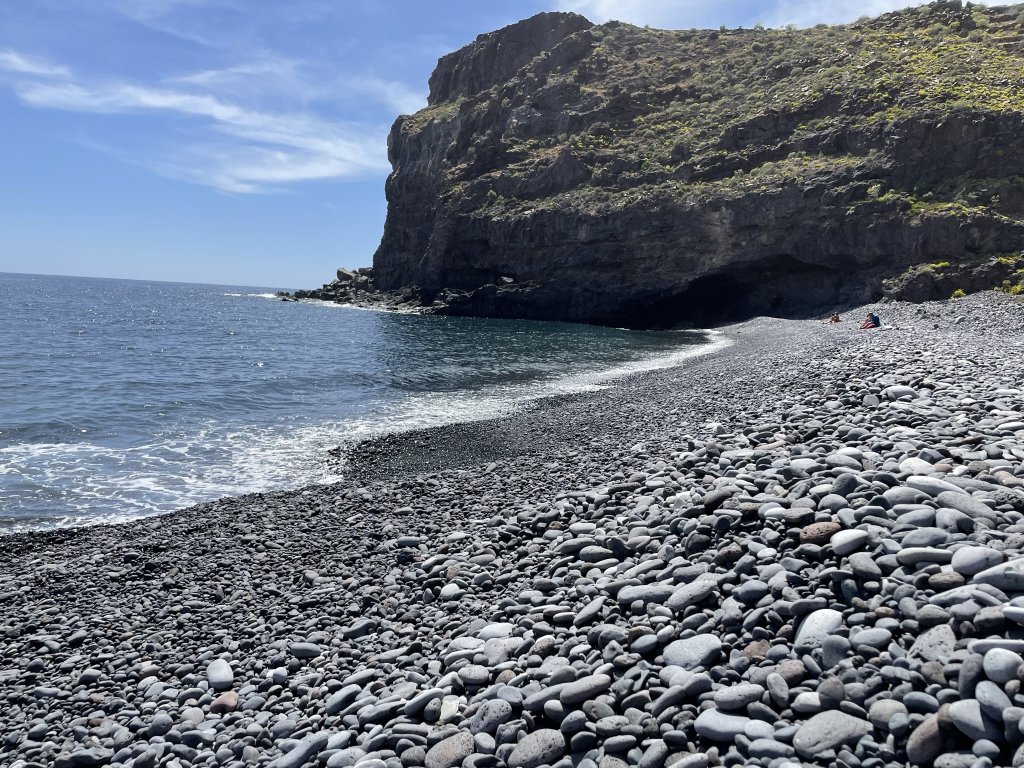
(614, 174)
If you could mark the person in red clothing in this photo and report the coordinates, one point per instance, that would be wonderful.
(871, 321)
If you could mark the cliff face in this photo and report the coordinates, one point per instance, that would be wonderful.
(621, 175)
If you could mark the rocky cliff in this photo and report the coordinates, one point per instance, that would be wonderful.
(624, 175)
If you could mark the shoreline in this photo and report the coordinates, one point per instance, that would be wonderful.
(664, 551)
(278, 456)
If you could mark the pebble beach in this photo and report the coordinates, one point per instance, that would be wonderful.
(804, 548)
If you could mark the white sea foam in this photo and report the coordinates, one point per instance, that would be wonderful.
(108, 484)
(381, 309)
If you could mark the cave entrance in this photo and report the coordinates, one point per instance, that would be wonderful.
(712, 299)
(709, 300)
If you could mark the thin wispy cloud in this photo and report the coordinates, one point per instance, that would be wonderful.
(399, 96)
(272, 149)
(293, 80)
(238, 96)
(253, 169)
(170, 17)
(17, 63)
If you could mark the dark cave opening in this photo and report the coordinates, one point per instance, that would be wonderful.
(710, 300)
(779, 286)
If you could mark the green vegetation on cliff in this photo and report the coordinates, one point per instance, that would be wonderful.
(702, 171)
(700, 113)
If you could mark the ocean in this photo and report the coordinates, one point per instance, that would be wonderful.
(121, 399)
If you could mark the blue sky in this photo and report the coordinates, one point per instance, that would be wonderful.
(242, 141)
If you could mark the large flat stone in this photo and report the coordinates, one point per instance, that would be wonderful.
(697, 651)
(816, 627)
(829, 730)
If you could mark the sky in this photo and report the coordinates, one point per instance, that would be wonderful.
(243, 142)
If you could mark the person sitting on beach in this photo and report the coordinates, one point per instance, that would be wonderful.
(871, 321)
(835, 318)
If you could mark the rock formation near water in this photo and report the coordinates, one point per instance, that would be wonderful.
(632, 176)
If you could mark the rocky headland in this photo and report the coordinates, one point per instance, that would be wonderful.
(804, 549)
(630, 176)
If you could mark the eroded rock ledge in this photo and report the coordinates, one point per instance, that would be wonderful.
(614, 174)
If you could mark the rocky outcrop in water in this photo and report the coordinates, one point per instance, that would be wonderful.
(615, 174)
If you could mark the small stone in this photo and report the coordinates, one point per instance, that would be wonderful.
(968, 561)
(220, 675)
(831, 693)
(91, 757)
(491, 714)
(828, 730)
(916, 466)
(474, 675)
(543, 747)
(759, 729)
(969, 720)
(819, 533)
(935, 644)
(1008, 577)
(690, 594)
(496, 631)
(718, 726)
(305, 650)
(994, 702)
(226, 702)
(816, 626)
(738, 696)
(160, 724)
(769, 749)
(645, 593)
(697, 651)
(1002, 665)
(872, 637)
(925, 742)
(850, 540)
(834, 649)
(969, 505)
(933, 486)
(944, 580)
(450, 752)
(778, 689)
(302, 752)
(584, 689)
(807, 703)
(925, 537)
(898, 391)
(864, 566)
(882, 712)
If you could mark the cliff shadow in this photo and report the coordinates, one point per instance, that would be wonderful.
(778, 286)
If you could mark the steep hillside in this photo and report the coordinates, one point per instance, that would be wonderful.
(618, 174)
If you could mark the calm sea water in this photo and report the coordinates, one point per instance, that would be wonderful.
(120, 399)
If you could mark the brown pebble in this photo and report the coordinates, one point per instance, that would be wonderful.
(792, 671)
(757, 650)
(728, 555)
(226, 702)
(943, 580)
(944, 720)
(933, 673)
(925, 743)
(819, 533)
